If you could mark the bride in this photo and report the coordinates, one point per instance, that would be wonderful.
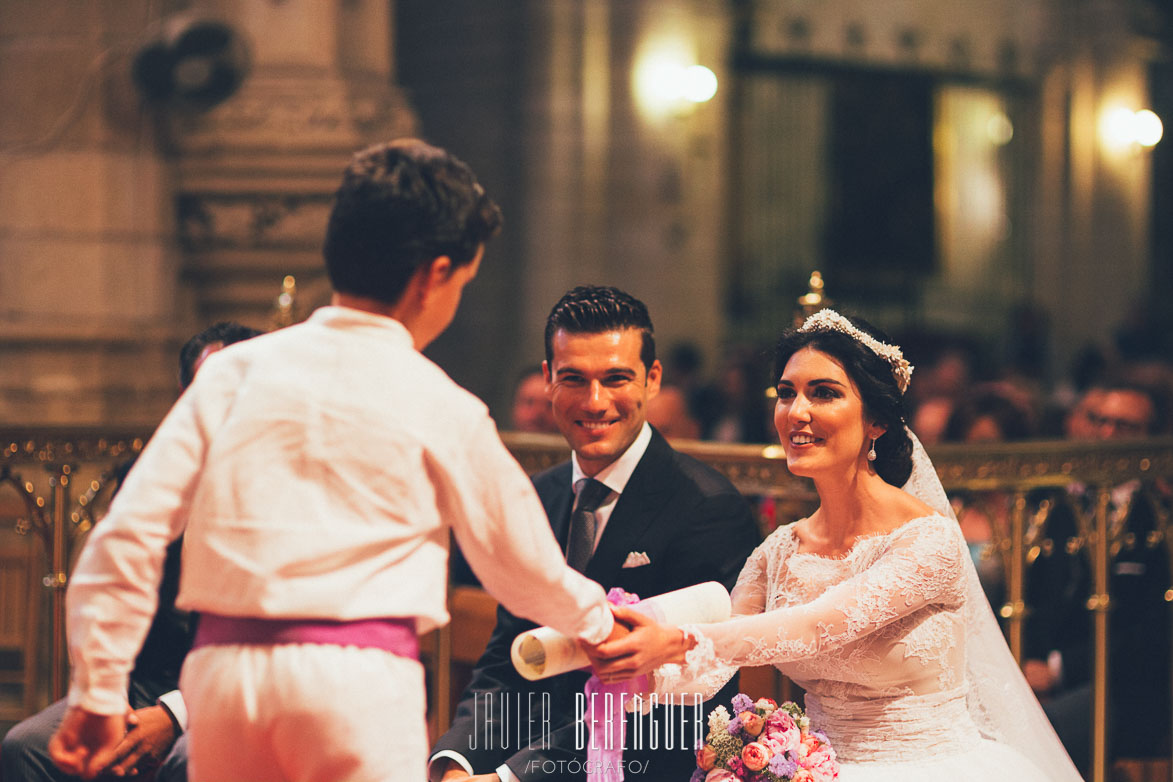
(871, 604)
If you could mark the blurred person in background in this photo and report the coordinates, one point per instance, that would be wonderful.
(531, 410)
(945, 370)
(1058, 638)
(668, 412)
(932, 417)
(745, 409)
(989, 415)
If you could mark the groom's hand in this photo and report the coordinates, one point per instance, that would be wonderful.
(149, 737)
(646, 647)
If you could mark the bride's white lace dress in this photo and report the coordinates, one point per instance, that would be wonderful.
(879, 639)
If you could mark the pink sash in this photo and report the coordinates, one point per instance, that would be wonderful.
(391, 635)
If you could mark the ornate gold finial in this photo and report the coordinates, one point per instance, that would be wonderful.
(286, 300)
(813, 300)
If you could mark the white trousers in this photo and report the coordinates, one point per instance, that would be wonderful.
(304, 712)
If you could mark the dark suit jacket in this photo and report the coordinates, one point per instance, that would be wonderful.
(695, 527)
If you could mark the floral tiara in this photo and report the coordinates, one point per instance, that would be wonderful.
(830, 320)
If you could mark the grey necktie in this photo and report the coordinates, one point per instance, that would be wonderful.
(583, 523)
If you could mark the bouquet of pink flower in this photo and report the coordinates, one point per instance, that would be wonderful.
(763, 742)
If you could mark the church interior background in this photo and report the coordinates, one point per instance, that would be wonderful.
(979, 170)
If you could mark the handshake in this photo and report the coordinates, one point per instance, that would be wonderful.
(646, 635)
(638, 644)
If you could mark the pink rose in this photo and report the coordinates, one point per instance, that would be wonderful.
(821, 763)
(768, 705)
(775, 746)
(752, 722)
(720, 775)
(802, 775)
(781, 728)
(755, 756)
(808, 743)
(706, 758)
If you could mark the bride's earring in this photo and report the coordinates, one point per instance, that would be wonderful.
(872, 452)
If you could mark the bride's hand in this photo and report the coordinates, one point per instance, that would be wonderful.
(648, 646)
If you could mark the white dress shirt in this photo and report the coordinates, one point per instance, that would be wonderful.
(614, 476)
(317, 470)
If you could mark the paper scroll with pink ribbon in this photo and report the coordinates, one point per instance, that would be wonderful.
(543, 652)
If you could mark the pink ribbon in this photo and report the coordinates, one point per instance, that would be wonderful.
(605, 713)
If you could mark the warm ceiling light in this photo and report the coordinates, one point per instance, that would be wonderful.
(1148, 128)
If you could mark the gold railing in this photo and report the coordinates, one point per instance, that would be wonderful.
(54, 485)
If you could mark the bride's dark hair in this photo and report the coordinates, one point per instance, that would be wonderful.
(872, 375)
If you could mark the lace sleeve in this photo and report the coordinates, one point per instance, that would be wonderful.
(920, 565)
(703, 672)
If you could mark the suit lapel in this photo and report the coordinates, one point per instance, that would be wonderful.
(636, 510)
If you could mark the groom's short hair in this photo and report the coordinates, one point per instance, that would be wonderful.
(594, 309)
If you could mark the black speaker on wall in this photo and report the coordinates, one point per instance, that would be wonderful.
(191, 62)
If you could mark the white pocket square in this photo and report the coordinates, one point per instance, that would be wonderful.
(636, 559)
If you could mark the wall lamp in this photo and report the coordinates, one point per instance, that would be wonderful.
(667, 87)
(1123, 128)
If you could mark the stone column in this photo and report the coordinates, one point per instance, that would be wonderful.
(87, 259)
(99, 282)
(256, 175)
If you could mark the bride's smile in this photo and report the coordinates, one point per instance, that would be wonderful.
(820, 416)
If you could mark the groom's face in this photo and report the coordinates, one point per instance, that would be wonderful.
(599, 390)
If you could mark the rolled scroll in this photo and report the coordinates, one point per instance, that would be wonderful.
(544, 652)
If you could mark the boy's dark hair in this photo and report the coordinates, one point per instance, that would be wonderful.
(401, 205)
(225, 332)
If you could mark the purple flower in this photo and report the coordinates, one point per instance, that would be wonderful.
(738, 768)
(742, 702)
(698, 776)
(734, 726)
(783, 766)
(822, 737)
(621, 598)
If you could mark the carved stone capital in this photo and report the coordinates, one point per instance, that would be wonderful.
(272, 114)
(252, 220)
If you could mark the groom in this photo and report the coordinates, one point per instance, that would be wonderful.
(663, 521)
